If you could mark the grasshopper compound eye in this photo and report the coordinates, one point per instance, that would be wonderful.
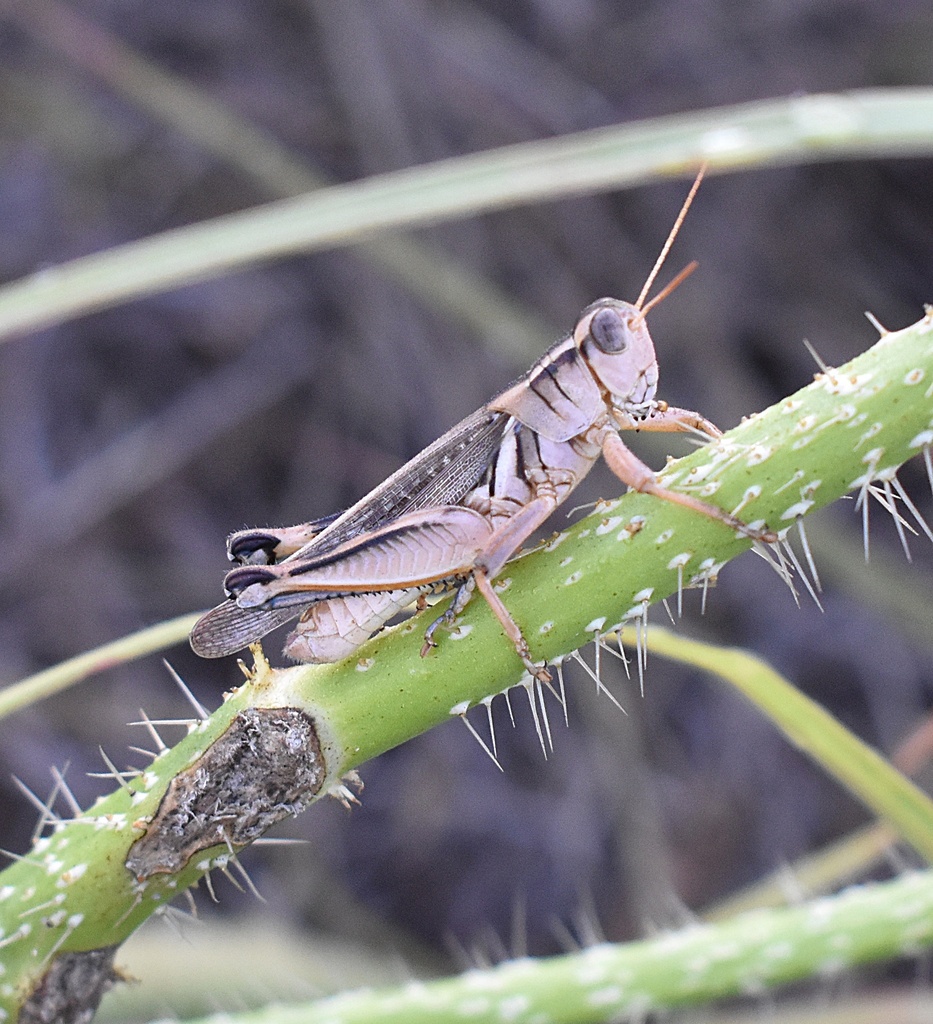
(609, 331)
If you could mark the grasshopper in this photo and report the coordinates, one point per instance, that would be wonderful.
(453, 516)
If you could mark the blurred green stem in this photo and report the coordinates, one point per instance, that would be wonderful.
(795, 130)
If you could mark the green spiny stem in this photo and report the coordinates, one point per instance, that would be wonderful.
(861, 421)
(745, 956)
(74, 891)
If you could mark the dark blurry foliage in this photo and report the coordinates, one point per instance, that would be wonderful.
(134, 440)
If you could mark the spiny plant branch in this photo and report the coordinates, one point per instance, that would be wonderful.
(289, 736)
(745, 956)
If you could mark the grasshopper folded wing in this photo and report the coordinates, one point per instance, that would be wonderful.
(228, 628)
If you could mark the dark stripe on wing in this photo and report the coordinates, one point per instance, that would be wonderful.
(442, 474)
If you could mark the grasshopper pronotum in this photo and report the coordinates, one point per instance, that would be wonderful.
(452, 516)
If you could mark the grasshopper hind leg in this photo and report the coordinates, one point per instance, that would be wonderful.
(253, 547)
(270, 545)
(512, 629)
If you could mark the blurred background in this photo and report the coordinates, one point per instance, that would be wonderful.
(132, 441)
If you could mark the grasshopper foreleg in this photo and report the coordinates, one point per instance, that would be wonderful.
(664, 418)
(633, 472)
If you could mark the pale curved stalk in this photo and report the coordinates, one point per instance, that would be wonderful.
(795, 130)
(437, 277)
(860, 768)
(59, 677)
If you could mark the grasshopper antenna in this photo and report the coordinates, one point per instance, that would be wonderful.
(668, 288)
(659, 262)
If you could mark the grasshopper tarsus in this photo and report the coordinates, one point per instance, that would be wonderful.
(460, 600)
(764, 535)
(429, 642)
(479, 579)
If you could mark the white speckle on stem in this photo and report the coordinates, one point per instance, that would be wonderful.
(608, 996)
(795, 511)
(608, 525)
(798, 475)
(867, 435)
(846, 384)
(512, 1007)
(71, 875)
(758, 453)
(555, 541)
(805, 424)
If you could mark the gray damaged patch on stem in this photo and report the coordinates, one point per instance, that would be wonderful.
(266, 766)
(71, 988)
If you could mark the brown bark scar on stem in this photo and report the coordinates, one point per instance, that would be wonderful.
(268, 765)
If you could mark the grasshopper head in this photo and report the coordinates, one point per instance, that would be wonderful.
(613, 338)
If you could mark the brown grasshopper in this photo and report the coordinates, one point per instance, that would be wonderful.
(452, 516)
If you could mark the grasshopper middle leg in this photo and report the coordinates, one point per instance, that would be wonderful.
(502, 545)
